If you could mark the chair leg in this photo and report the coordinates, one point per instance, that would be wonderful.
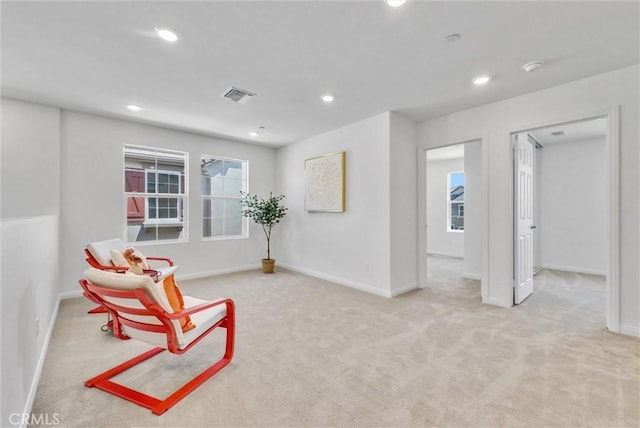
(156, 405)
(170, 401)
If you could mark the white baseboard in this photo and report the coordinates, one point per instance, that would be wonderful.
(199, 275)
(630, 330)
(43, 354)
(404, 289)
(574, 269)
(497, 302)
(469, 275)
(337, 280)
(70, 294)
(445, 254)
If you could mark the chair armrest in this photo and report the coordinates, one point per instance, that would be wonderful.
(164, 259)
(199, 308)
(118, 269)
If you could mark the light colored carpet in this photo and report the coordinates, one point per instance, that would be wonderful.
(313, 354)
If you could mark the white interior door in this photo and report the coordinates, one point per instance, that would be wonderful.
(523, 198)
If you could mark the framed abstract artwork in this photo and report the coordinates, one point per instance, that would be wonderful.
(324, 183)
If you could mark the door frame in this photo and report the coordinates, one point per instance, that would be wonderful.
(422, 210)
(612, 142)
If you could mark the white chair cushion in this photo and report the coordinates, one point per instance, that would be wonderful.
(101, 250)
(117, 258)
(202, 320)
(155, 292)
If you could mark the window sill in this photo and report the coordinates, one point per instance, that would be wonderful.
(169, 223)
(223, 238)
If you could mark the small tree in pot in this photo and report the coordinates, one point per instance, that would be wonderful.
(267, 213)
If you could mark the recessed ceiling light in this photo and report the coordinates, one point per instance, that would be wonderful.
(327, 98)
(134, 107)
(396, 3)
(166, 34)
(481, 80)
(253, 133)
(532, 66)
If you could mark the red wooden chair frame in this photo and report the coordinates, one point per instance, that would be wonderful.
(120, 269)
(157, 406)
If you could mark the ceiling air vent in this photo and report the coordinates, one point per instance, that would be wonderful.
(238, 95)
(558, 133)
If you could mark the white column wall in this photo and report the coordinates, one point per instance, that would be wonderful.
(403, 204)
(353, 247)
(473, 211)
(30, 165)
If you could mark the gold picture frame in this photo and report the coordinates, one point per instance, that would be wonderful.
(324, 183)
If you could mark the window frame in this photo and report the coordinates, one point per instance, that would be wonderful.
(159, 220)
(211, 197)
(451, 203)
(153, 154)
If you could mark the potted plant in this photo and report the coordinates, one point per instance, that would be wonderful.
(267, 213)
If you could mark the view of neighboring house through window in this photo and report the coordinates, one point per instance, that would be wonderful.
(222, 180)
(155, 192)
(455, 205)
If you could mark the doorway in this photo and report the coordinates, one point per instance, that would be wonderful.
(454, 227)
(570, 224)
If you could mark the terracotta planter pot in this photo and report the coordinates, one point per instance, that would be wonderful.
(268, 265)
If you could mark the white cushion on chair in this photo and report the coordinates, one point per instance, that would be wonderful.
(117, 258)
(101, 250)
(155, 292)
(202, 320)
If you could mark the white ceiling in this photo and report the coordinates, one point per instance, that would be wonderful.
(445, 153)
(100, 56)
(574, 131)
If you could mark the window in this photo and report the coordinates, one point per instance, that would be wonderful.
(155, 193)
(222, 180)
(455, 204)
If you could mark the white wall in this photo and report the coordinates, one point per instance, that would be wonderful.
(92, 206)
(572, 193)
(439, 240)
(579, 99)
(30, 165)
(371, 246)
(351, 247)
(473, 211)
(403, 204)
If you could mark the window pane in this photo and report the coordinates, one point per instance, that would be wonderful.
(217, 186)
(217, 208)
(216, 227)
(456, 201)
(222, 180)
(148, 172)
(153, 208)
(234, 226)
(232, 187)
